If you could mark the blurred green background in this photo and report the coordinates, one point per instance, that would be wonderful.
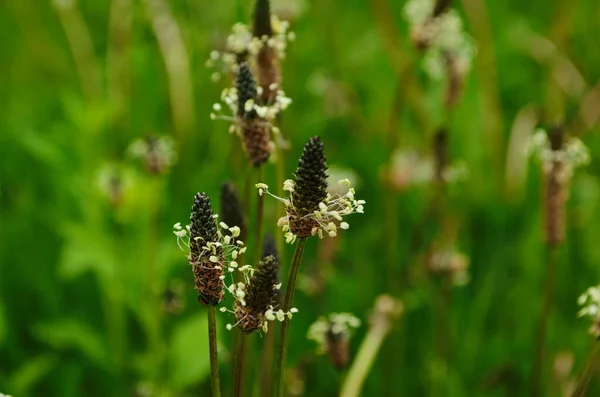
(97, 300)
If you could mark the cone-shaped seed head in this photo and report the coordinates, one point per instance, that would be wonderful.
(203, 230)
(259, 295)
(231, 208)
(262, 19)
(270, 249)
(246, 90)
(203, 227)
(311, 178)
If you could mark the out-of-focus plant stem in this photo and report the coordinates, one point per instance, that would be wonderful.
(591, 366)
(176, 59)
(240, 364)
(82, 48)
(538, 364)
(214, 354)
(385, 311)
(258, 223)
(279, 370)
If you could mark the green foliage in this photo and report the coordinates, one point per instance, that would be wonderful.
(87, 253)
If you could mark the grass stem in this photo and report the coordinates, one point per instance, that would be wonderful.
(591, 367)
(240, 361)
(538, 365)
(279, 378)
(214, 354)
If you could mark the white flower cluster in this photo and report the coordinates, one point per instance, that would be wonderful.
(451, 262)
(336, 324)
(328, 217)
(160, 150)
(590, 307)
(229, 97)
(4, 395)
(443, 36)
(226, 241)
(231, 249)
(573, 154)
(242, 42)
(409, 168)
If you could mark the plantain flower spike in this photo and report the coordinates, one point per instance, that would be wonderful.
(207, 269)
(270, 249)
(310, 209)
(231, 207)
(267, 61)
(212, 246)
(254, 130)
(255, 301)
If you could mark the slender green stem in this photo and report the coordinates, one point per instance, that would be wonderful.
(258, 224)
(214, 354)
(538, 365)
(361, 366)
(279, 377)
(266, 363)
(586, 375)
(240, 364)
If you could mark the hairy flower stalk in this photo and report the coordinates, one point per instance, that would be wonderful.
(209, 248)
(310, 210)
(251, 311)
(559, 156)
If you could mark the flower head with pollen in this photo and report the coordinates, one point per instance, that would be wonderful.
(310, 209)
(244, 44)
(570, 152)
(255, 302)
(332, 335)
(590, 307)
(251, 121)
(211, 246)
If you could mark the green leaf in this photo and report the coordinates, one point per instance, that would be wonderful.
(24, 378)
(73, 334)
(189, 355)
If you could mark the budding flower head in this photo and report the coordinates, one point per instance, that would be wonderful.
(438, 31)
(251, 120)
(231, 207)
(590, 307)
(157, 153)
(270, 249)
(551, 148)
(559, 155)
(254, 298)
(310, 209)
(332, 335)
(246, 91)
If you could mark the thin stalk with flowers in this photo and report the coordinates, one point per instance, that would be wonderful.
(310, 210)
(559, 156)
(213, 247)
